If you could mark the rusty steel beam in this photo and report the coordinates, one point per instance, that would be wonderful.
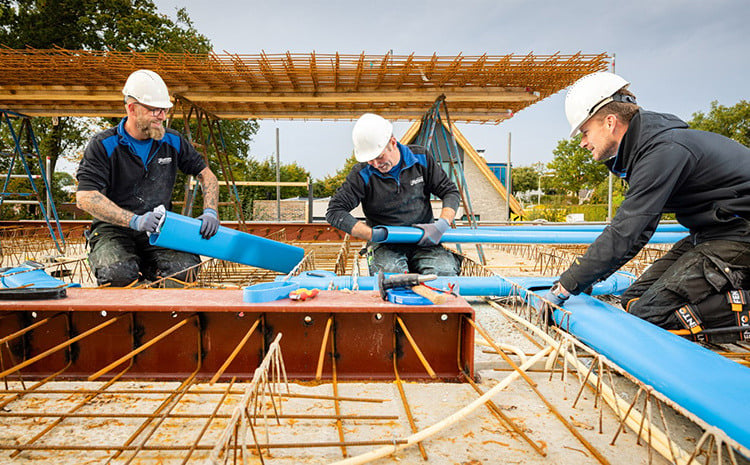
(361, 329)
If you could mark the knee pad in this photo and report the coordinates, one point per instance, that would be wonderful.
(118, 274)
(718, 318)
(177, 269)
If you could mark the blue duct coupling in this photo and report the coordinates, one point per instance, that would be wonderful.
(180, 232)
(464, 285)
(708, 385)
(412, 235)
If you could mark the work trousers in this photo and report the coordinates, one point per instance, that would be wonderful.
(119, 256)
(400, 258)
(700, 275)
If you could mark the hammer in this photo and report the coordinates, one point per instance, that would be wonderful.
(411, 281)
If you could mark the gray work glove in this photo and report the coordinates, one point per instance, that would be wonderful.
(148, 222)
(556, 296)
(432, 232)
(209, 223)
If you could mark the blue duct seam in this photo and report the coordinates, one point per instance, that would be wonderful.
(183, 233)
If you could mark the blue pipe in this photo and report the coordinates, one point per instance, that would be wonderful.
(464, 285)
(708, 385)
(662, 228)
(412, 235)
(183, 233)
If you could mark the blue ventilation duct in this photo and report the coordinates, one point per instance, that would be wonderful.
(180, 232)
(412, 235)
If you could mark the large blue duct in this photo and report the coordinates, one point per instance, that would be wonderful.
(412, 235)
(708, 385)
(180, 232)
(662, 228)
(464, 285)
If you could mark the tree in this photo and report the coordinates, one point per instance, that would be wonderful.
(120, 25)
(733, 122)
(525, 178)
(92, 25)
(328, 185)
(574, 167)
(97, 25)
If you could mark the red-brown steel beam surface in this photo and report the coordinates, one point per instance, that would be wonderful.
(363, 331)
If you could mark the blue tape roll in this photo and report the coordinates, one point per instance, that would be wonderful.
(403, 296)
(180, 232)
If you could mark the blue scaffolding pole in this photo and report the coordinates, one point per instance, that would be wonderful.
(25, 128)
(426, 137)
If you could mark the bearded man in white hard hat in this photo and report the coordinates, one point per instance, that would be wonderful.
(394, 182)
(126, 173)
(701, 177)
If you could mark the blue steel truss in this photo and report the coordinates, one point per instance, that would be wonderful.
(24, 130)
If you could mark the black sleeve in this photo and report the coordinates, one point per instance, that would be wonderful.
(189, 161)
(93, 172)
(346, 199)
(653, 180)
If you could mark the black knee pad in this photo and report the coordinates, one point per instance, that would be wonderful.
(176, 269)
(118, 274)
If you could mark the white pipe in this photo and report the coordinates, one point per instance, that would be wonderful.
(420, 436)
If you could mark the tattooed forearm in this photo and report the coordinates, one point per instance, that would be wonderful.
(101, 208)
(210, 186)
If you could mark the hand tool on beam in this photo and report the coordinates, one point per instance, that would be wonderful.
(411, 281)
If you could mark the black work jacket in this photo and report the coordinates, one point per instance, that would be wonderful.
(393, 201)
(701, 177)
(110, 165)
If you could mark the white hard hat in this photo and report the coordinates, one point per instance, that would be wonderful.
(370, 135)
(148, 88)
(588, 95)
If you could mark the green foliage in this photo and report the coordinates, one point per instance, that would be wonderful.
(732, 122)
(266, 171)
(524, 178)
(574, 167)
(328, 185)
(600, 195)
(97, 25)
(121, 25)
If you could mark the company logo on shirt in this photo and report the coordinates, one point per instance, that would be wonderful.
(417, 181)
(164, 161)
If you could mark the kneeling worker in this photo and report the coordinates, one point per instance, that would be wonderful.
(701, 177)
(394, 183)
(129, 170)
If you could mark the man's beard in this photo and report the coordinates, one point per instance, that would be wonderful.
(609, 151)
(153, 132)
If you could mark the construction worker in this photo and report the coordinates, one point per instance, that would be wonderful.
(701, 177)
(126, 173)
(394, 183)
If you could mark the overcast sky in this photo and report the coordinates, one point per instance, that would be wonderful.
(678, 55)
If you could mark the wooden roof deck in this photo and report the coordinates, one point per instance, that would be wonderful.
(484, 89)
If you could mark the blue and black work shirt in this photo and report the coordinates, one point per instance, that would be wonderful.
(400, 197)
(112, 166)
